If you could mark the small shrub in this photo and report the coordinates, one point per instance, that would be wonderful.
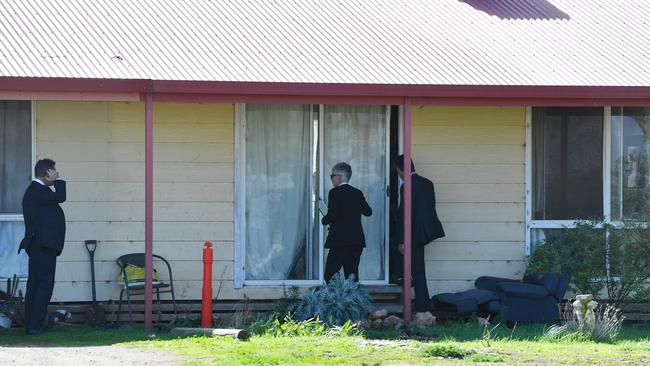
(445, 351)
(340, 301)
(616, 265)
(579, 251)
(605, 329)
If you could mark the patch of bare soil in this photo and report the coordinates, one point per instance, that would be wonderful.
(92, 355)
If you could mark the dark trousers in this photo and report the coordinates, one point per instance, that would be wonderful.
(418, 271)
(346, 257)
(40, 284)
(418, 276)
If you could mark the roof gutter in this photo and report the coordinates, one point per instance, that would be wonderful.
(273, 92)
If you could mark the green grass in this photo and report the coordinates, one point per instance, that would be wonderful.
(454, 343)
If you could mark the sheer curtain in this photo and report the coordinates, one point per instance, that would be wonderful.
(277, 191)
(11, 232)
(15, 174)
(357, 135)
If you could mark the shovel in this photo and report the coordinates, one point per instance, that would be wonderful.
(95, 315)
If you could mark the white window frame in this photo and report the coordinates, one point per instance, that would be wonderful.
(322, 192)
(240, 207)
(561, 224)
(240, 212)
(32, 117)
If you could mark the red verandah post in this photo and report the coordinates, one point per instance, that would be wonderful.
(206, 302)
(407, 210)
(148, 211)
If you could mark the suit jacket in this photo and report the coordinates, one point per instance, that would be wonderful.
(425, 225)
(44, 218)
(345, 205)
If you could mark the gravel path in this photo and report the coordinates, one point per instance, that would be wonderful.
(82, 356)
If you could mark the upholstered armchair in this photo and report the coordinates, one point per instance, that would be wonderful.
(533, 300)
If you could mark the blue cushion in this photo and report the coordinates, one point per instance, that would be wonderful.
(493, 306)
(524, 290)
(463, 305)
(467, 301)
(562, 284)
(490, 283)
(548, 280)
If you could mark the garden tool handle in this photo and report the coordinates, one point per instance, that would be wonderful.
(91, 245)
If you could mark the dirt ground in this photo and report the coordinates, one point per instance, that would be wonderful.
(92, 355)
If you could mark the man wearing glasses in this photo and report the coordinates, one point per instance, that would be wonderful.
(345, 239)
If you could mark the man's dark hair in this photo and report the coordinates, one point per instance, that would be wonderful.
(399, 162)
(42, 166)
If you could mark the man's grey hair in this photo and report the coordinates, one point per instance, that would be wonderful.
(344, 170)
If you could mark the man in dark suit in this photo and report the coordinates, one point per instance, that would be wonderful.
(425, 227)
(345, 239)
(44, 238)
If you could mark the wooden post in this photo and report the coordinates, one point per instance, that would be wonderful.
(148, 211)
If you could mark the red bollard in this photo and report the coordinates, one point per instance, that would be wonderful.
(206, 302)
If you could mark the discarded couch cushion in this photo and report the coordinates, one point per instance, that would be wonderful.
(469, 301)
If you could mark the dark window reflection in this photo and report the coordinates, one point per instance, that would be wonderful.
(567, 163)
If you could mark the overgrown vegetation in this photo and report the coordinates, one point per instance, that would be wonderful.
(605, 328)
(306, 328)
(609, 261)
(340, 301)
(524, 344)
(332, 310)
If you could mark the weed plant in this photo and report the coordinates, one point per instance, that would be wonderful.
(605, 328)
(310, 327)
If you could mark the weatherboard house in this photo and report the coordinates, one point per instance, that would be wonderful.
(180, 122)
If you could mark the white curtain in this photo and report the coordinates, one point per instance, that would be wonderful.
(357, 135)
(277, 191)
(11, 233)
(15, 175)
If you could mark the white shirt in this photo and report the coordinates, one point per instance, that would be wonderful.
(399, 197)
(39, 181)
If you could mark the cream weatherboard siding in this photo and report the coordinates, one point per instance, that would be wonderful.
(476, 158)
(475, 155)
(99, 150)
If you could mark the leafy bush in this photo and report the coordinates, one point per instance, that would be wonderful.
(629, 258)
(605, 328)
(579, 251)
(340, 301)
(310, 327)
(618, 262)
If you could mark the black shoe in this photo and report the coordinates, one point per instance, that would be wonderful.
(34, 331)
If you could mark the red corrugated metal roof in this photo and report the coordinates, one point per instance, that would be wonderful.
(441, 42)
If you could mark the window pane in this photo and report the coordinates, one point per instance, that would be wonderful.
(278, 194)
(567, 163)
(630, 164)
(11, 232)
(15, 154)
(538, 237)
(357, 135)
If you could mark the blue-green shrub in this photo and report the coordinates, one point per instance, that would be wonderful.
(341, 300)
